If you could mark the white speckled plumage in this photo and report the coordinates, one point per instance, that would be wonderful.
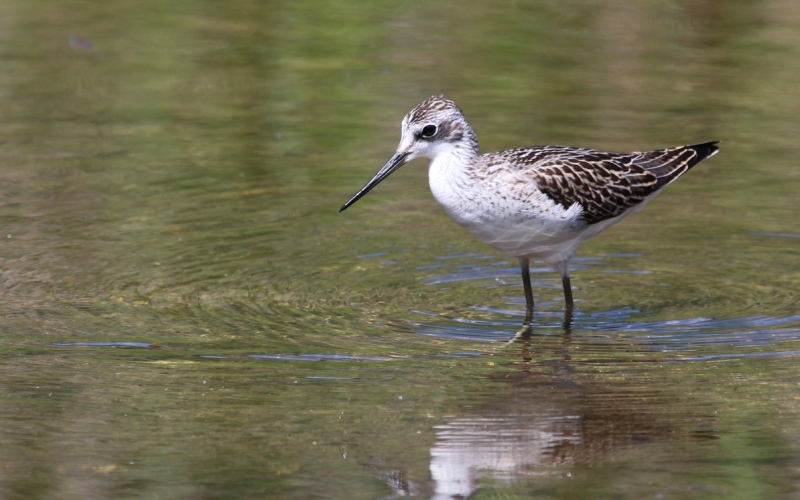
(535, 202)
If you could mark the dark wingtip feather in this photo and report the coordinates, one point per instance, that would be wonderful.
(669, 164)
(703, 150)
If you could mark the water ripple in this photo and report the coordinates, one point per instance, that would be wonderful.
(727, 328)
(125, 345)
(317, 357)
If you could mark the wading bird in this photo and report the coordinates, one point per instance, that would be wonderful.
(537, 202)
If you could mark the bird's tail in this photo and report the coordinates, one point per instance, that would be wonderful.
(669, 164)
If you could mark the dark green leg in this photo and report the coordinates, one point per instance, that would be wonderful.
(526, 282)
(568, 299)
(567, 291)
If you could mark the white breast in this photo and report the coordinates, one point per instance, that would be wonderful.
(505, 210)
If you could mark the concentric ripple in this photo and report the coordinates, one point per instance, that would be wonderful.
(648, 329)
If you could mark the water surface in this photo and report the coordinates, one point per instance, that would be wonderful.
(186, 315)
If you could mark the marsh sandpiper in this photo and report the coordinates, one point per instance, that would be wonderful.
(538, 202)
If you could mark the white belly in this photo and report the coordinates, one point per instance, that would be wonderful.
(511, 216)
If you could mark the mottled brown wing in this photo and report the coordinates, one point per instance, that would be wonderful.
(604, 184)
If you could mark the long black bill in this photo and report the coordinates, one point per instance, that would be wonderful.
(395, 162)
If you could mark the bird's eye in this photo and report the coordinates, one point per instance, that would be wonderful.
(428, 131)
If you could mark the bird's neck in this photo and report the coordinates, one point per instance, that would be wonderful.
(467, 147)
(451, 174)
(459, 156)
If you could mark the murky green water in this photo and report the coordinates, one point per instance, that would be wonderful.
(186, 315)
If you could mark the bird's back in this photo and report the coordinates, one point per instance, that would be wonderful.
(605, 184)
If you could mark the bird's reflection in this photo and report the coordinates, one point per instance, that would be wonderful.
(523, 433)
(542, 418)
(472, 448)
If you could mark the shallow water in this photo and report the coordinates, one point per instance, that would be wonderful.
(186, 315)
